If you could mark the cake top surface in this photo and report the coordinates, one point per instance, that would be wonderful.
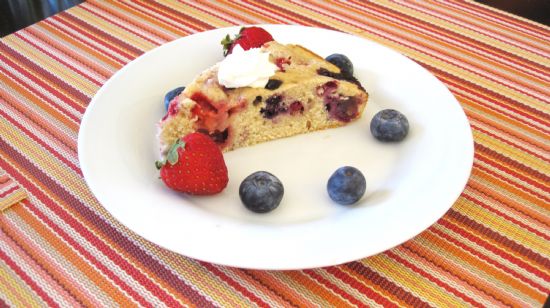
(294, 65)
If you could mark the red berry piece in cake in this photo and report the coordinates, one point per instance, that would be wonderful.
(248, 37)
(261, 94)
(296, 107)
(194, 165)
(282, 62)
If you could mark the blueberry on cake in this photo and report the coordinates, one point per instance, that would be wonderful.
(261, 94)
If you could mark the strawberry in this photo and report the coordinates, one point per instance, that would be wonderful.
(194, 165)
(251, 37)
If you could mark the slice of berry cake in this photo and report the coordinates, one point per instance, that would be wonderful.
(303, 93)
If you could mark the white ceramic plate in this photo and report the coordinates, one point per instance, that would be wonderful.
(409, 185)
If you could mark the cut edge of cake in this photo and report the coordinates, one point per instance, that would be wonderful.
(306, 94)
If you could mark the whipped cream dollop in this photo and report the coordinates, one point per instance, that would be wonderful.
(246, 68)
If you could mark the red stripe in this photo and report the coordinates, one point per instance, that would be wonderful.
(38, 120)
(109, 47)
(498, 53)
(502, 20)
(499, 177)
(180, 16)
(17, 105)
(212, 12)
(460, 93)
(488, 25)
(504, 140)
(331, 286)
(279, 10)
(480, 92)
(464, 24)
(507, 161)
(9, 191)
(36, 117)
(44, 269)
(65, 30)
(490, 234)
(47, 145)
(397, 291)
(56, 58)
(272, 289)
(28, 280)
(399, 37)
(113, 21)
(501, 214)
(41, 83)
(352, 282)
(68, 50)
(260, 11)
(87, 255)
(496, 196)
(432, 278)
(234, 284)
(108, 231)
(75, 94)
(99, 244)
(518, 206)
(175, 18)
(97, 33)
(444, 35)
(489, 260)
(171, 22)
(126, 17)
(456, 273)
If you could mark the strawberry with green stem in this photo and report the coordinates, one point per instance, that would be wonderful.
(247, 38)
(194, 165)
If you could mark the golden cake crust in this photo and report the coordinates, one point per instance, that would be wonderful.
(312, 95)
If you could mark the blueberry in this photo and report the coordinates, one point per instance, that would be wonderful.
(170, 96)
(346, 185)
(273, 84)
(389, 125)
(261, 192)
(343, 62)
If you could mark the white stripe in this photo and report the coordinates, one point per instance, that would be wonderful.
(33, 275)
(88, 41)
(58, 147)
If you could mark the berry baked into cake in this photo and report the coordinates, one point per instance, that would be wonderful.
(266, 92)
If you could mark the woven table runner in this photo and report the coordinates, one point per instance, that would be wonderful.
(60, 247)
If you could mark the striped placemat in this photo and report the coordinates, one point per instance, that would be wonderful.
(59, 247)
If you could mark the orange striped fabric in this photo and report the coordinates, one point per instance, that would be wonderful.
(59, 247)
(10, 192)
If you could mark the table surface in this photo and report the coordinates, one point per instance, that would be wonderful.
(60, 247)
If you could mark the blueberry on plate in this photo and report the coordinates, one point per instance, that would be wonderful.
(170, 96)
(261, 192)
(343, 63)
(346, 185)
(389, 125)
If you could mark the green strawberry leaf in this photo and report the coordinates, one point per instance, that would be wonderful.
(159, 164)
(226, 42)
(172, 156)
